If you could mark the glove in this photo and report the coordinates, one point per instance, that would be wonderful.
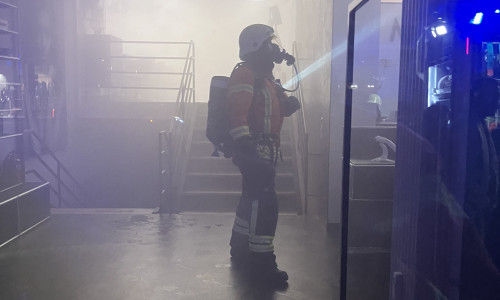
(290, 105)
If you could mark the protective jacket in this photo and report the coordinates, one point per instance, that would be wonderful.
(254, 104)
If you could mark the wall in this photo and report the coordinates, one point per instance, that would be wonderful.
(337, 107)
(314, 44)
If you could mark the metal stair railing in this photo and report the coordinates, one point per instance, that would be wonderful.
(61, 175)
(173, 153)
(302, 143)
(169, 149)
(186, 93)
(164, 141)
(174, 144)
(186, 88)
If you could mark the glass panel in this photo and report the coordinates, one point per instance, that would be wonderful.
(375, 69)
(446, 241)
(377, 42)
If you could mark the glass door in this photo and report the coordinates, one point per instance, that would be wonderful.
(369, 148)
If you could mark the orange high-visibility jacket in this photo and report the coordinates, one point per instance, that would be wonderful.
(253, 110)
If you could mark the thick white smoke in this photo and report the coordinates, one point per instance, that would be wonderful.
(214, 26)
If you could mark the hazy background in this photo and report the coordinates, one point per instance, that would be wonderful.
(213, 26)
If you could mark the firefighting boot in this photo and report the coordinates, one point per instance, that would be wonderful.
(264, 270)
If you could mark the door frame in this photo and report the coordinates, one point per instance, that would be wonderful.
(352, 8)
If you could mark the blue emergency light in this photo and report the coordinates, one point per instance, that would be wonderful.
(478, 19)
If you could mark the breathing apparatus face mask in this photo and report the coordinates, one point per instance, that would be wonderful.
(277, 55)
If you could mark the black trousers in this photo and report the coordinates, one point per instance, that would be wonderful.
(257, 212)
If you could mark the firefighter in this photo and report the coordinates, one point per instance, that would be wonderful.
(257, 106)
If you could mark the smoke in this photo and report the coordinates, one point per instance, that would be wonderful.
(213, 26)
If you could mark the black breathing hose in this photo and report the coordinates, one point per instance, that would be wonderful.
(297, 75)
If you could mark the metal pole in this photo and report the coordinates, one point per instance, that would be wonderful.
(194, 70)
(306, 172)
(160, 173)
(59, 184)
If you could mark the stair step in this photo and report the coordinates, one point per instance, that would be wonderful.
(201, 123)
(230, 182)
(208, 164)
(199, 135)
(200, 149)
(207, 201)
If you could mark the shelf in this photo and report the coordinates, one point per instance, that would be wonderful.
(4, 4)
(10, 110)
(19, 190)
(7, 31)
(8, 136)
(9, 117)
(22, 207)
(9, 57)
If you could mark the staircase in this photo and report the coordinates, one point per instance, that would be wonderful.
(213, 184)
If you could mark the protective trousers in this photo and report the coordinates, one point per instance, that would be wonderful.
(257, 212)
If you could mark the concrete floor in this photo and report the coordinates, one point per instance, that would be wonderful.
(133, 254)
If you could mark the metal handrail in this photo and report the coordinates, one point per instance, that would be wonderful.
(165, 170)
(187, 75)
(302, 134)
(298, 93)
(174, 142)
(172, 152)
(58, 174)
(187, 82)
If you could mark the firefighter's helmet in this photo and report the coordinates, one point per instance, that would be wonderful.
(252, 38)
